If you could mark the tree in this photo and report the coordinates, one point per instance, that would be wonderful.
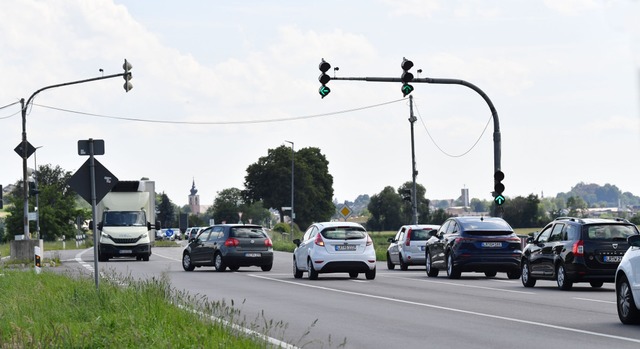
(58, 210)
(522, 212)
(166, 211)
(269, 180)
(422, 204)
(576, 206)
(230, 202)
(385, 209)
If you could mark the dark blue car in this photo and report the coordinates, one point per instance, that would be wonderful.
(474, 244)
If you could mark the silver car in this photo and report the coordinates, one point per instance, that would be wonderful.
(407, 247)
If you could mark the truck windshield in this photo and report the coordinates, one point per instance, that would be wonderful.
(124, 218)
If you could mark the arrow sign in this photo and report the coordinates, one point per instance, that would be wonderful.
(324, 91)
(406, 89)
(499, 200)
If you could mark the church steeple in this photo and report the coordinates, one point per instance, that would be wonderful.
(194, 199)
(194, 191)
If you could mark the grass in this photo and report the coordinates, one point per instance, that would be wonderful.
(52, 310)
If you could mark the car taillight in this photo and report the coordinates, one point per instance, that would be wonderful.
(408, 238)
(232, 242)
(369, 241)
(319, 240)
(268, 243)
(578, 248)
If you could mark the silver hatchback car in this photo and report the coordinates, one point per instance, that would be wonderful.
(407, 247)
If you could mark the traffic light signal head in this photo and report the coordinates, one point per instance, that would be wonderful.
(498, 187)
(127, 76)
(324, 78)
(406, 76)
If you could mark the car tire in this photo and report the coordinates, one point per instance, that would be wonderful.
(353, 274)
(452, 271)
(513, 275)
(266, 267)
(490, 274)
(145, 258)
(390, 264)
(627, 311)
(525, 275)
(561, 278)
(186, 262)
(218, 262)
(234, 268)
(403, 265)
(370, 274)
(297, 273)
(596, 284)
(431, 271)
(313, 274)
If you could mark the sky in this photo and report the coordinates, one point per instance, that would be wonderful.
(216, 84)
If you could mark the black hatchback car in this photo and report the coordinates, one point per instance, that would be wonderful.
(570, 250)
(229, 246)
(478, 244)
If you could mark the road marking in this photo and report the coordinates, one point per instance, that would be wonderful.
(461, 285)
(594, 300)
(455, 310)
(163, 256)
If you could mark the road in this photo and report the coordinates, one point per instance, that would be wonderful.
(397, 309)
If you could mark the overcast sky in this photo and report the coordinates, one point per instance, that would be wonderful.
(218, 83)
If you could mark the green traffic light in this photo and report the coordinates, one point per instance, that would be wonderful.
(324, 91)
(406, 89)
(499, 200)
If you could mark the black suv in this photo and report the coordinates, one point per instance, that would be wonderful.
(571, 250)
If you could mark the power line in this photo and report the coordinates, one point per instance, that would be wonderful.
(6, 106)
(294, 118)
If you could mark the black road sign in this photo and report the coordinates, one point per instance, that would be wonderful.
(84, 147)
(20, 150)
(81, 181)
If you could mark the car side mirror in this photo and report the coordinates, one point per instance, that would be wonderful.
(296, 242)
(634, 240)
(433, 232)
(391, 240)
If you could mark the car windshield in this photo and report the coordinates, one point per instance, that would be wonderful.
(610, 232)
(248, 232)
(344, 233)
(124, 218)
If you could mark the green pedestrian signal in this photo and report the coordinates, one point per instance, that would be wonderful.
(324, 78)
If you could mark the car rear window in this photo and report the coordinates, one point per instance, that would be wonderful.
(248, 232)
(344, 233)
(610, 232)
(420, 235)
(487, 228)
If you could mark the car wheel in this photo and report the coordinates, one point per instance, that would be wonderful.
(313, 274)
(370, 274)
(512, 275)
(234, 268)
(561, 278)
(596, 284)
(219, 263)
(266, 267)
(452, 271)
(403, 265)
(431, 271)
(297, 273)
(186, 262)
(390, 264)
(627, 311)
(353, 274)
(527, 280)
(490, 274)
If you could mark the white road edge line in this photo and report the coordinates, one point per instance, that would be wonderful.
(594, 300)
(460, 285)
(532, 323)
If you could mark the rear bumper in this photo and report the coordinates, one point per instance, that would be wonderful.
(345, 267)
(240, 259)
(580, 273)
(502, 263)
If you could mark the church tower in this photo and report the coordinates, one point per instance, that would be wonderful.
(194, 199)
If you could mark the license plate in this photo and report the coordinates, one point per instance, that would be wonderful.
(252, 254)
(613, 259)
(125, 251)
(345, 247)
(492, 244)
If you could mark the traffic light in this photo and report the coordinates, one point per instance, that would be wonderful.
(32, 188)
(324, 78)
(406, 194)
(127, 76)
(406, 76)
(498, 188)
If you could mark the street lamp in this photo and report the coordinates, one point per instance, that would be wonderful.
(35, 180)
(292, 172)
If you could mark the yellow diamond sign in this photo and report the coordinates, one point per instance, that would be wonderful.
(345, 211)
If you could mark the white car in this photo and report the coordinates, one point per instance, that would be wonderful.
(334, 247)
(407, 247)
(628, 283)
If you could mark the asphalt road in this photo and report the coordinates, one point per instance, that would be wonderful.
(397, 309)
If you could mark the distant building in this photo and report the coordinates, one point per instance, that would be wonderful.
(194, 199)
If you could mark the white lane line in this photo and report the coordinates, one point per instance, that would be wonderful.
(461, 285)
(166, 257)
(455, 310)
(594, 300)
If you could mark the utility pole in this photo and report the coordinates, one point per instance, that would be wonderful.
(414, 172)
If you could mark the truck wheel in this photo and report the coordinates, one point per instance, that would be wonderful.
(146, 257)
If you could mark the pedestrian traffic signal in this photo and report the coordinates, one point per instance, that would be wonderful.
(127, 76)
(406, 76)
(498, 188)
(324, 78)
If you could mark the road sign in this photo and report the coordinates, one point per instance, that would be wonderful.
(81, 181)
(345, 211)
(20, 150)
(84, 147)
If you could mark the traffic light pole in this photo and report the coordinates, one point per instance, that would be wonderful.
(25, 154)
(414, 172)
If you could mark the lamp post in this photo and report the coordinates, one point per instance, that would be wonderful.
(35, 180)
(292, 172)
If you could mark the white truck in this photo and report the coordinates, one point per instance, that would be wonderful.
(124, 221)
